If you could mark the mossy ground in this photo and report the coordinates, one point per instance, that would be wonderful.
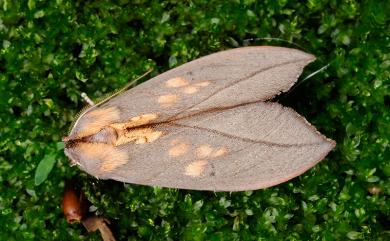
(51, 51)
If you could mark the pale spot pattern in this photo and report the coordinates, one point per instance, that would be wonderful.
(143, 119)
(204, 153)
(194, 88)
(176, 82)
(111, 157)
(96, 120)
(138, 136)
(196, 168)
(178, 149)
(203, 84)
(135, 121)
(168, 100)
(130, 131)
(220, 152)
(191, 90)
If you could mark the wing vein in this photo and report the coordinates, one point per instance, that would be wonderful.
(244, 139)
(236, 82)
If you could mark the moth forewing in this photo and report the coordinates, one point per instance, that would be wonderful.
(204, 125)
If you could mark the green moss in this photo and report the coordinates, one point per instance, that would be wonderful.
(51, 51)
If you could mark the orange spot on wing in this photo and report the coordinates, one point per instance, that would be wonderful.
(204, 151)
(97, 119)
(203, 84)
(178, 149)
(220, 152)
(191, 90)
(102, 158)
(130, 131)
(138, 136)
(196, 168)
(144, 119)
(135, 121)
(108, 113)
(176, 82)
(154, 136)
(168, 100)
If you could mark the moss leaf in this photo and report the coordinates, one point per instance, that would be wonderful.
(44, 168)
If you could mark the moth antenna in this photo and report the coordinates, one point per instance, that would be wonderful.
(72, 163)
(306, 78)
(246, 42)
(124, 88)
(315, 72)
(89, 108)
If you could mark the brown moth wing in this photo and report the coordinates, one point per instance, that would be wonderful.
(222, 79)
(246, 147)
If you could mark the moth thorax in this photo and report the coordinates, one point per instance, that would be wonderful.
(107, 135)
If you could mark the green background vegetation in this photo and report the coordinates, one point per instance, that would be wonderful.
(51, 51)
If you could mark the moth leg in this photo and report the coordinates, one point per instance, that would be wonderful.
(212, 174)
(87, 99)
(73, 163)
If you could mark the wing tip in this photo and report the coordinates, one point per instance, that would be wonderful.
(325, 145)
(330, 145)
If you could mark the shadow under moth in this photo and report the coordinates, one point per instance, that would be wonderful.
(205, 125)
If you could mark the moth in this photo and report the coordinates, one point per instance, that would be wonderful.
(206, 125)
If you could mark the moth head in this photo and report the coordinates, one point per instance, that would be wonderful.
(71, 151)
